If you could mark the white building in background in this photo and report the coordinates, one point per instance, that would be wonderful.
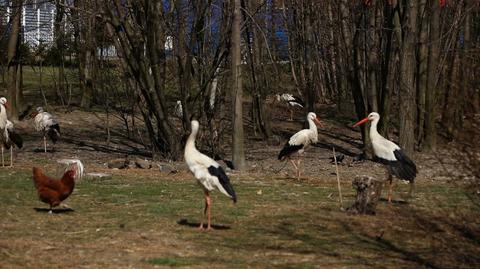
(38, 17)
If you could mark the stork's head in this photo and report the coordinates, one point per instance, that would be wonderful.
(374, 116)
(3, 101)
(36, 112)
(195, 125)
(312, 116)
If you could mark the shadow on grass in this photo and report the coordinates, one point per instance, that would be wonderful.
(54, 210)
(42, 150)
(397, 202)
(185, 222)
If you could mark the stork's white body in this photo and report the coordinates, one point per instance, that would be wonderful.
(3, 126)
(8, 136)
(390, 154)
(207, 171)
(43, 120)
(45, 123)
(300, 141)
(305, 137)
(291, 102)
(290, 99)
(3, 120)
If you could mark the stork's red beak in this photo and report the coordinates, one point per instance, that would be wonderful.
(7, 105)
(360, 122)
(317, 121)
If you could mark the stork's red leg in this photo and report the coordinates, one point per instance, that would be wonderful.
(11, 156)
(45, 144)
(294, 165)
(209, 210)
(298, 165)
(412, 189)
(390, 187)
(204, 212)
(3, 161)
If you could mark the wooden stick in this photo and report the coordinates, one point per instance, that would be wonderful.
(338, 179)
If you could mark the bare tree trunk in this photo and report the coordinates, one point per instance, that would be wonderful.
(237, 90)
(84, 23)
(59, 35)
(422, 71)
(432, 78)
(354, 72)
(407, 77)
(372, 59)
(141, 42)
(13, 61)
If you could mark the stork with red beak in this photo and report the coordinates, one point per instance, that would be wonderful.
(390, 154)
(297, 144)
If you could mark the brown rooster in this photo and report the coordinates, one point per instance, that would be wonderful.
(52, 191)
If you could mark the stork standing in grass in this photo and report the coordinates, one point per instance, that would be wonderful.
(297, 144)
(45, 123)
(8, 136)
(390, 154)
(208, 172)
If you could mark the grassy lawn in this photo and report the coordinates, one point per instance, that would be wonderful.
(145, 221)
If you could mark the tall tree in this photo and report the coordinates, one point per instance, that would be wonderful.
(407, 89)
(432, 77)
(139, 31)
(13, 60)
(422, 70)
(85, 33)
(237, 89)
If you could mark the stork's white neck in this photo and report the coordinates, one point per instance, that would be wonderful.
(312, 125)
(373, 128)
(191, 139)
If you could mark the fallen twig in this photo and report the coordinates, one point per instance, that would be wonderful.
(338, 179)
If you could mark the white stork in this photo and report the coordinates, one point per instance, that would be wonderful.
(208, 172)
(297, 144)
(8, 136)
(292, 101)
(390, 154)
(45, 123)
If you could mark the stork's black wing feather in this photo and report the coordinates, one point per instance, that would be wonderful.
(223, 178)
(404, 167)
(15, 138)
(299, 100)
(53, 132)
(288, 150)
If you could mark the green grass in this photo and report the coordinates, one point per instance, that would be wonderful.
(133, 221)
(169, 261)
